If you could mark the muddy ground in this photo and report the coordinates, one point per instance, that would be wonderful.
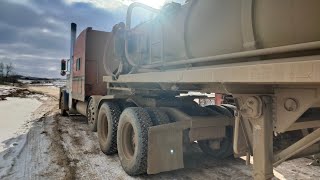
(63, 148)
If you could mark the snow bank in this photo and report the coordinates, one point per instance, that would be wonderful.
(15, 121)
(14, 113)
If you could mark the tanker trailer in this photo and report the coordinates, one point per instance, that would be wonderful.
(268, 62)
(210, 32)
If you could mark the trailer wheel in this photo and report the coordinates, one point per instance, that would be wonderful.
(132, 139)
(126, 104)
(225, 150)
(231, 108)
(108, 120)
(92, 116)
(221, 110)
(226, 145)
(63, 112)
(157, 116)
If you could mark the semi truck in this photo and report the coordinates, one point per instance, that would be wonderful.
(260, 57)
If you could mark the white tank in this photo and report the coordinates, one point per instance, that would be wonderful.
(203, 28)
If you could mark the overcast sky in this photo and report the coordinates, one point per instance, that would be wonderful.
(34, 34)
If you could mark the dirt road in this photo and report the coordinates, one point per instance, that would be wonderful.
(64, 148)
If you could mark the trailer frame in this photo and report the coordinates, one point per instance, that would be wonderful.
(271, 96)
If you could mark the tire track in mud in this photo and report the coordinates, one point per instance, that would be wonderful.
(80, 145)
(61, 153)
(83, 145)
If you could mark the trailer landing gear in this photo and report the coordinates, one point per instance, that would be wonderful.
(261, 118)
(258, 111)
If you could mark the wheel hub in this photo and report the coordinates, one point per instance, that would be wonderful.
(129, 141)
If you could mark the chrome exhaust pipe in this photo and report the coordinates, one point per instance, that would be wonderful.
(72, 44)
(73, 38)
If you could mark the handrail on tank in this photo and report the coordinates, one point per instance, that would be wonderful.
(128, 25)
(245, 54)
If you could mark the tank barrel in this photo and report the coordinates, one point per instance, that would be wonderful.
(189, 34)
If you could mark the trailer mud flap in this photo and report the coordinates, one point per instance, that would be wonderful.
(165, 148)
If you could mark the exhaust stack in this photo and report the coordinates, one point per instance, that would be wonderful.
(73, 38)
(72, 44)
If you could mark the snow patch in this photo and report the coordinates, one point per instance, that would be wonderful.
(15, 121)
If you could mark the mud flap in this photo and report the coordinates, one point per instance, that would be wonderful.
(165, 148)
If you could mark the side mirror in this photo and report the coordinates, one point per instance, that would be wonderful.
(63, 67)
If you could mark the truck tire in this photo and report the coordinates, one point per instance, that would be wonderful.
(108, 120)
(132, 139)
(226, 145)
(126, 104)
(63, 102)
(63, 112)
(231, 108)
(221, 110)
(226, 149)
(157, 116)
(91, 115)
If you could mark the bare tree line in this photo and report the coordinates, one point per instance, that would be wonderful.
(6, 71)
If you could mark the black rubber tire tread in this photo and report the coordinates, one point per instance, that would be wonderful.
(91, 116)
(187, 106)
(220, 109)
(126, 104)
(140, 121)
(108, 120)
(226, 146)
(231, 108)
(195, 110)
(63, 112)
(157, 116)
(226, 149)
